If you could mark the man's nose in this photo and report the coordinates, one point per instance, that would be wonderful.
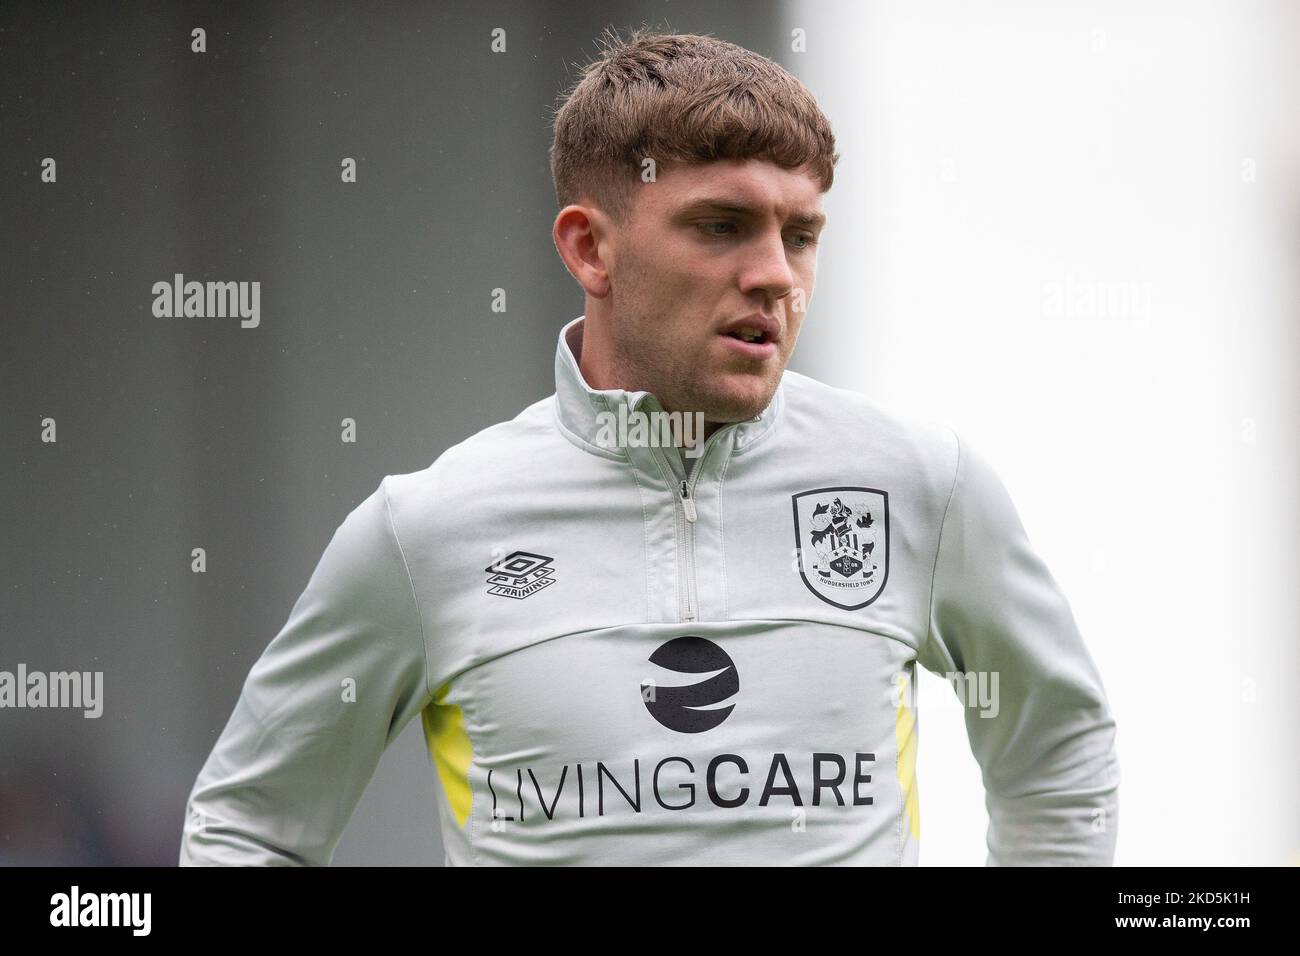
(768, 268)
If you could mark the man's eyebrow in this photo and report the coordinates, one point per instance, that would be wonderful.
(741, 207)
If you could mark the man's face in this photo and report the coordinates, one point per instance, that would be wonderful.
(704, 249)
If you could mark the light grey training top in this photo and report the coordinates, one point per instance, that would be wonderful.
(615, 663)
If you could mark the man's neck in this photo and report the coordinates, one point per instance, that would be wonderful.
(592, 353)
(597, 371)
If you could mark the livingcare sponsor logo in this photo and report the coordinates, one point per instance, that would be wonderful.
(638, 429)
(725, 780)
(76, 689)
(102, 909)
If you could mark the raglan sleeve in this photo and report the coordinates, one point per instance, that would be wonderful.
(1036, 713)
(335, 687)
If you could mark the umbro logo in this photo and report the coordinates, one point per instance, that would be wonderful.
(520, 574)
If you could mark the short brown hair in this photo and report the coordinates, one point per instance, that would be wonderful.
(680, 98)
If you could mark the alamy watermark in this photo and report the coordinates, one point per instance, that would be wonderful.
(82, 690)
(975, 689)
(208, 300)
(1078, 295)
(75, 908)
(637, 429)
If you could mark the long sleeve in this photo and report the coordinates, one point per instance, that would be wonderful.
(335, 687)
(1036, 713)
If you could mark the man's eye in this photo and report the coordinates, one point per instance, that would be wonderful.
(722, 227)
(707, 226)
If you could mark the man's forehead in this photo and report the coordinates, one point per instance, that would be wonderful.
(742, 186)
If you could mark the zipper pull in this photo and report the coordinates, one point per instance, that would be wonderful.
(687, 502)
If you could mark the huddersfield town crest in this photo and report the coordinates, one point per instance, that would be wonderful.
(842, 535)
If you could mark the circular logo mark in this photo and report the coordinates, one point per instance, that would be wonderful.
(692, 708)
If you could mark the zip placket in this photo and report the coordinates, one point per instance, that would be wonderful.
(687, 562)
(684, 525)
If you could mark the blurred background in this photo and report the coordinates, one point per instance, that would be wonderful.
(1070, 231)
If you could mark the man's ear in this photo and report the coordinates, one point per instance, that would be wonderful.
(582, 237)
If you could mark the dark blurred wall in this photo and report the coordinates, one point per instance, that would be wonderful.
(183, 433)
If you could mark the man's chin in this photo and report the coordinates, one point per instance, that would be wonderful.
(739, 403)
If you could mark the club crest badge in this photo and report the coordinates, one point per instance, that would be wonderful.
(842, 540)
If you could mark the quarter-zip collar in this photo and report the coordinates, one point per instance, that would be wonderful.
(578, 404)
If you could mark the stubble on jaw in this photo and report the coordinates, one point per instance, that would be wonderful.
(685, 382)
(645, 359)
(692, 385)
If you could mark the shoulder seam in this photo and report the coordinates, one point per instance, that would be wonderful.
(938, 546)
(415, 597)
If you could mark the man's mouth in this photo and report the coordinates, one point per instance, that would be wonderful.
(754, 329)
(753, 345)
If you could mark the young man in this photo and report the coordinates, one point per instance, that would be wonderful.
(676, 651)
